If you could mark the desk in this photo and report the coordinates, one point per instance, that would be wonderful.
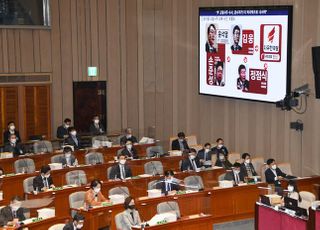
(304, 184)
(267, 218)
(193, 222)
(314, 219)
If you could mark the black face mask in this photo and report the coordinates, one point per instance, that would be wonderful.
(132, 207)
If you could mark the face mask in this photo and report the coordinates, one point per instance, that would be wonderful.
(132, 206)
(192, 157)
(129, 136)
(122, 162)
(181, 140)
(247, 161)
(274, 167)
(129, 147)
(220, 146)
(12, 127)
(236, 171)
(221, 157)
(68, 155)
(207, 150)
(15, 207)
(47, 176)
(66, 126)
(79, 226)
(13, 141)
(290, 188)
(73, 133)
(96, 190)
(96, 121)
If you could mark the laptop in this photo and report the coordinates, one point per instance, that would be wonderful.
(301, 212)
(265, 200)
(290, 203)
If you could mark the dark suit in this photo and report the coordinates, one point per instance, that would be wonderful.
(69, 226)
(231, 176)
(175, 145)
(16, 150)
(270, 176)
(244, 86)
(210, 49)
(205, 156)
(70, 141)
(244, 171)
(223, 150)
(96, 130)
(124, 140)
(115, 172)
(62, 131)
(7, 215)
(187, 165)
(63, 160)
(6, 135)
(38, 182)
(165, 189)
(133, 153)
(236, 47)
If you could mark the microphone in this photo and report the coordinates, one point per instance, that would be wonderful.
(154, 169)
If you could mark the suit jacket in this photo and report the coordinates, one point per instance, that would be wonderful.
(62, 132)
(70, 141)
(187, 165)
(162, 185)
(6, 215)
(243, 86)
(243, 169)
(270, 176)
(124, 140)
(6, 135)
(133, 153)
(38, 182)
(63, 160)
(115, 172)
(90, 196)
(223, 150)
(96, 131)
(127, 221)
(230, 176)
(176, 146)
(16, 150)
(210, 49)
(69, 226)
(201, 153)
(236, 47)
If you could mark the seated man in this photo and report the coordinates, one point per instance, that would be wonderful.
(96, 128)
(62, 130)
(13, 213)
(168, 183)
(11, 130)
(130, 151)
(73, 139)
(192, 162)
(13, 147)
(235, 175)
(180, 143)
(121, 170)
(77, 223)
(128, 137)
(43, 181)
(220, 148)
(68, 159)
(273, 174)
(247, 168)
(205, 155)
(222, 161)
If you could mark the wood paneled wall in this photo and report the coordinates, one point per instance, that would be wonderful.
(146, 50)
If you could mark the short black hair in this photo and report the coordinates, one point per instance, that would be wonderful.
(121, 155)
(270, 161)
(71, 128)
(211, 25)
(237, 165)
(244, 155)
(11, 134)
(242, 66)
(94, 183)
(10, 122)
(168, 173)
(78, 217)
(206, 144)
(17, 198)
(236, 27)
(219, 139)
(127, 202)
(192, 150)
(181, 134)
(44, 169)
(67, 149)
(67, 120)
(219, 63)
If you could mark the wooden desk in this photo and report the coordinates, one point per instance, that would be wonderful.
(304, 184)
(186, 223)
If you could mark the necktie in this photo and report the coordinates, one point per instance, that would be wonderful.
(194, 165)
(123, 173)
(14, 214)
(132, 216)
(237, 178)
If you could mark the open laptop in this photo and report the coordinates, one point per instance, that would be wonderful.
(290, 203)
(301, 212)
(265, 200)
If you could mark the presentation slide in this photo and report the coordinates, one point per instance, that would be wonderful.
(245, 52)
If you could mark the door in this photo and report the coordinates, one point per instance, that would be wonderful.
(89, 99)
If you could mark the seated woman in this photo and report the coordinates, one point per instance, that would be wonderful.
(222, 161)
(130, 216)
(93, 196)
(293, 191)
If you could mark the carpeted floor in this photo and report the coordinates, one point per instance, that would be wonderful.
(237, 225)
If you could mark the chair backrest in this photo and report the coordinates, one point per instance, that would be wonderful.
(193, 183)
(257, 162)
(57, 227)
(153, 167)
(221, 176)
(168, 206)
(233, 157)
(192, 140)
(151, 184)
(196, 147)
(76, 200)
(78, 177)
(307, 199)
(94, 158)
(120, 190)
(25, 165)
(118, 219)
(28, 184)
(108, 172)
(119, 151)
(285, 167)
(263, 168)
(56, 158)
(154, 150)
(42, 146)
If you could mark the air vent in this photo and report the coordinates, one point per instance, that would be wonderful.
(36, 78)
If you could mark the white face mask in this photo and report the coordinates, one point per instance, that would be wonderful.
(96, 190)
(274, 167)
(79, 226)
(13, 141)
(68, 155)
(96, 121)
(247, 161)
(47, 176)
(207, 150)
(220, 146)
(74, 133)
(66, 126)
(129, 136)
(123, 161)
(12, 127)
(15, 207)
(290, 188)
(129, 147)
(169, 180)
(221, 157)
(192, 157)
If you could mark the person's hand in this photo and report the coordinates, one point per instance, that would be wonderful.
(52, 186)
(280, 177)
(202, 160)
